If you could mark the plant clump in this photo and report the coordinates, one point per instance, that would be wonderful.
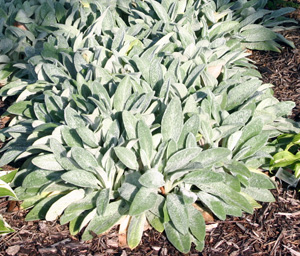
(139, 112)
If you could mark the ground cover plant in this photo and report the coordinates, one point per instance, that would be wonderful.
(288, 155)
(135, 112)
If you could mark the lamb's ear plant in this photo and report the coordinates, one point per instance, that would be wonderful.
(141, 112)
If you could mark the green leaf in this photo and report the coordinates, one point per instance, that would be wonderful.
(47, 162)
(80, 221)
(236, 117)
(282, 159)
(262, 181)
(11, 155)
(8, 176)
(190, 126)
(172, 121)
(76, 208)
(103, 200)
(160, 11)
(155, 221)
(199, 177)
(18, 108)
(181, 158)
(145, 138)
(255, 143)
(144, 200)
(222, 27)
(4, 227)
(178, 213)
(60, 154)
(22, 17)
(122, 93)
(81, 178)
(253, 128)
(152, 179)
(62, 203)
(262, 46)
(212, 156)
(259, 194)
(130, 123)
(84, 158)
(238, 94)
(213, 203)
(257, 33)
(135, 230)
(40, 209)
(73, 119)
(38, 178)
(229, 195)
(127, 157)
(88, 137)
(6, 190)
(71, 137)
(181, 242)
(196, 223)
(100, 224)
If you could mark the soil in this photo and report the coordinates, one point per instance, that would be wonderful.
(273, 230)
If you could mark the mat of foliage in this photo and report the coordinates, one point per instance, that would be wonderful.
(272, 230)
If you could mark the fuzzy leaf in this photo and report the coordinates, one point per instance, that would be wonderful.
(152, 179)
(135, 230)
(196, 223)
(84, 158)
(180, 241)
(103, 201)
(178, 213)
(258, 33)
(144, 200)
(199, 177)
(259, 194)
(172, 121)
(38, 178)
(145, 138)
(213, 203)
(122, 93)
(87, 136)
(100, 224)
(62, 203)
(81, 178)
(73, 119)
(212, 156)
(181, 158)
(127, 157)
(47, 162)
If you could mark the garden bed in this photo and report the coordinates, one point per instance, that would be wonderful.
(272, 230)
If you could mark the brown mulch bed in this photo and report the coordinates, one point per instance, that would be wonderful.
(272, 230)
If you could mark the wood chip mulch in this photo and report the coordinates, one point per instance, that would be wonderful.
(272, 230)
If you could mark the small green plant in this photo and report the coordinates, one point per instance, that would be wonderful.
(289, 153)
(6, 191)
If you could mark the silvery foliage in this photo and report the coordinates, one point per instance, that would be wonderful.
(119, 113)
